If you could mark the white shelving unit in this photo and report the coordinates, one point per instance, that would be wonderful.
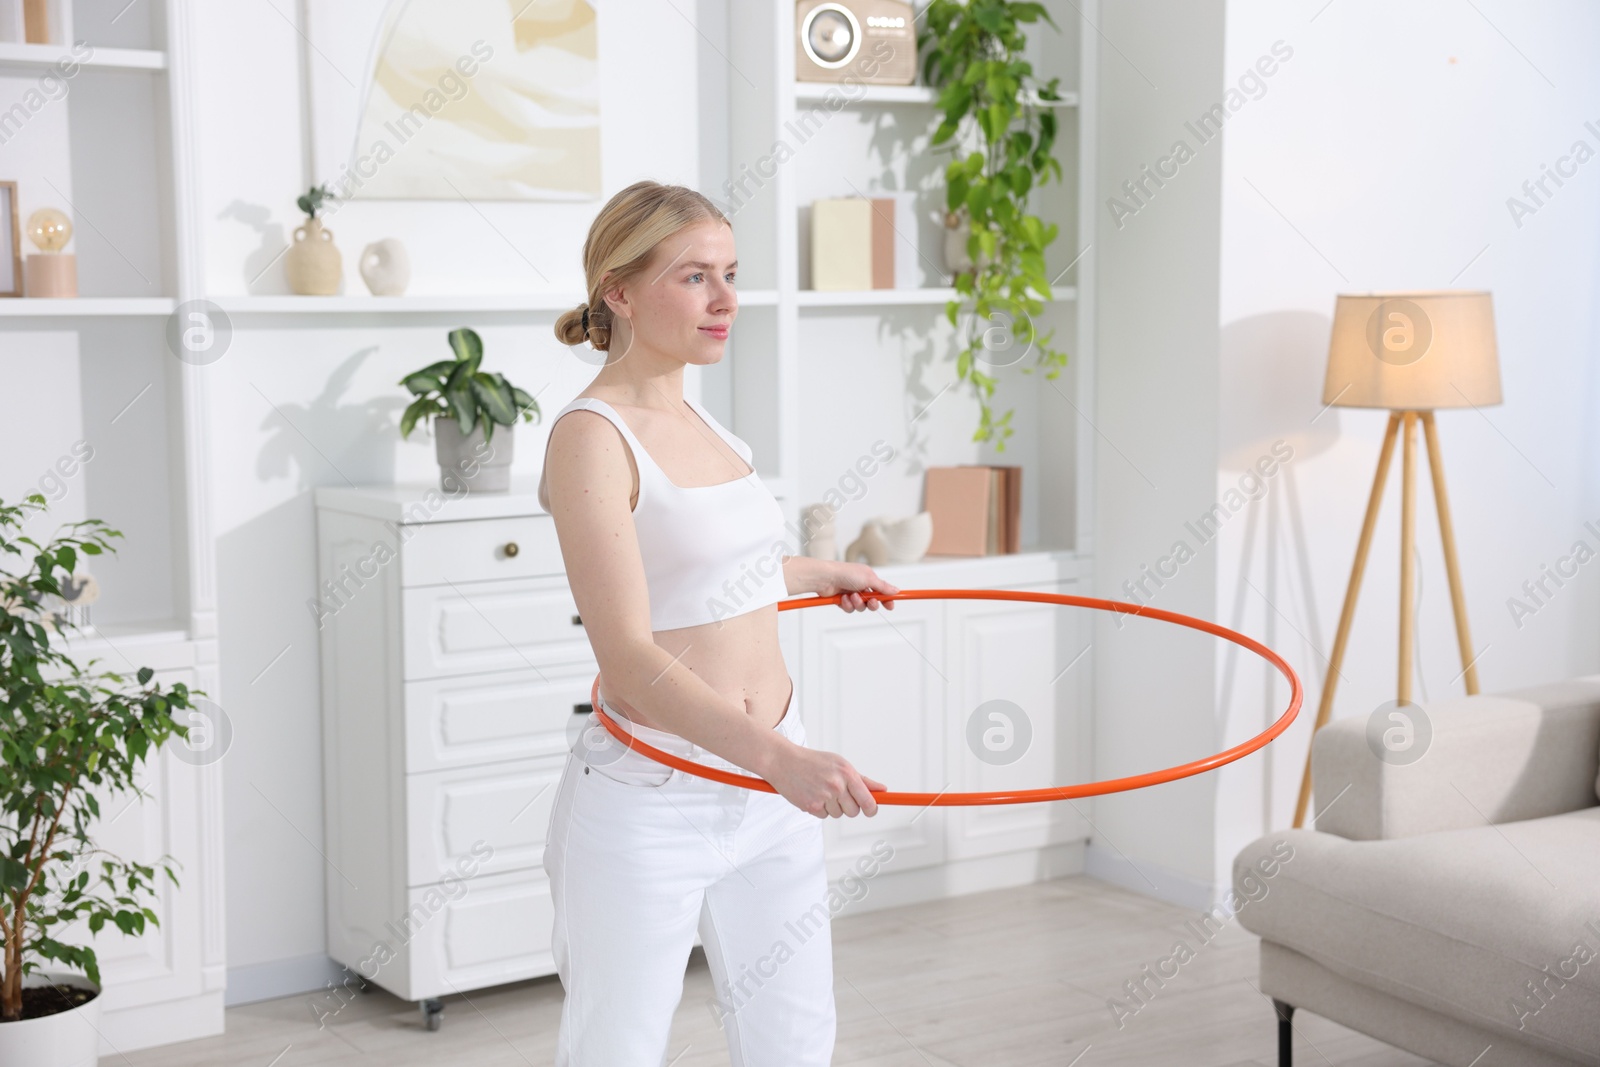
(117, 153)
(809, 348)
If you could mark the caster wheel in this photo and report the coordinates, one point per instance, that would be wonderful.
(432, 1013)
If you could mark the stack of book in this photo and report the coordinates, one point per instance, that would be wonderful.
(976, 509)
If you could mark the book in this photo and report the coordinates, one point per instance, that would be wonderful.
(1004, 508)
(960, 501)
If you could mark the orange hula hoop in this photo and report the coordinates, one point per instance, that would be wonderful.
(1010, 796)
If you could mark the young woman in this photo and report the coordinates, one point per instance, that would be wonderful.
(674, 550)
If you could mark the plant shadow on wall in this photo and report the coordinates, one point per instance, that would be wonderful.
(327, 441)
(274, 242)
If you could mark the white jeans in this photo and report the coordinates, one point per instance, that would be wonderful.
(639, 855)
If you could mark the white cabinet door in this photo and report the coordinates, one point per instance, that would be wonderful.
(1013, 720)
(873, 689)
(476, 932)
(494, 815)
(491, 718)
(515, 624)
(163, 965)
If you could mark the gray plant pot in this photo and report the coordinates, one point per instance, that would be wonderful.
(471, 464)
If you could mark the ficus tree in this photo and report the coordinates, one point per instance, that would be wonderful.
(70, 736)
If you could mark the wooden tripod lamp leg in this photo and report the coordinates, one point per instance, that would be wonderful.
(1331, 680)
(1408, 555)
(1458, 599)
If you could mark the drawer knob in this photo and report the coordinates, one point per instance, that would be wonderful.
(511, 549)
(583, 709)
(577, 620)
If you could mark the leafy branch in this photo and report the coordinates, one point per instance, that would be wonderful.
(972, 52)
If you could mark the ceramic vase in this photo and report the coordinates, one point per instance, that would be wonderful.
(312, 263)
(386, 267)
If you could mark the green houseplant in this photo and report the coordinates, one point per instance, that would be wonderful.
(972, 52)
(465, 403)
(70, 736)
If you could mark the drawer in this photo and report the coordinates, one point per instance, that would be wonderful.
(518, 624)
(478, 931)
(489, 819)
(477, 719)
(474, 550)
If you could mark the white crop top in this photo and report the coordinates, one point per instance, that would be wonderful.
(710, 551)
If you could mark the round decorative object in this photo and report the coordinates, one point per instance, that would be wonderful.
(313, 264)
(386, 267)
(49, 229)
(830, 35)
(1012, 796)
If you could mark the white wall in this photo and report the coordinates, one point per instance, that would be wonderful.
(296, 405)
(1156, 410)
(1377, 151)
(1381, 157)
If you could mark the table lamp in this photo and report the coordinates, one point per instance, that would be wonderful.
(1410, 353)
(50, 272)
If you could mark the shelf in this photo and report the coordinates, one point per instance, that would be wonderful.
(74, 306)
(888, 95)
(449, 303)
(125, 647)
(39, 56)
(814, 298)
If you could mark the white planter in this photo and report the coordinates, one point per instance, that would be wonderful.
(65, 1039)
(470, 463)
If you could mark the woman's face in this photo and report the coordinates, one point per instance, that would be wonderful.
(684, 304)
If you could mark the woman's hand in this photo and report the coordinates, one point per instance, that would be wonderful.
(849, 579)
(823, 784)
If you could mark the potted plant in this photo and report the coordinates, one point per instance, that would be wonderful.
(972, 52)
(313, 264)
(471, 401)
(70, 737)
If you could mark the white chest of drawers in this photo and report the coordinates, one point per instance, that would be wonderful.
(453, 660)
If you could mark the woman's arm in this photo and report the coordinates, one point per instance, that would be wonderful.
(588, 482)
(826, 577)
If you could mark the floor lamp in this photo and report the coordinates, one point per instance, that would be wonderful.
(1409, 353)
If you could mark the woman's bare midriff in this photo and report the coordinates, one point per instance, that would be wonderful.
(738, 657)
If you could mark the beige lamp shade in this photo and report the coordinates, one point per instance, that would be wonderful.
(1413, 351)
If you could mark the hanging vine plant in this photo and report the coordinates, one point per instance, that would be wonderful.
(971, 51)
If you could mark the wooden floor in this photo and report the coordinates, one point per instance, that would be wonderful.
(1012, 978)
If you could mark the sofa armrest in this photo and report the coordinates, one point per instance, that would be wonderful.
(1520, 754)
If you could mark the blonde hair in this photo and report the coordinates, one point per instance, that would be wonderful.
(621, 241)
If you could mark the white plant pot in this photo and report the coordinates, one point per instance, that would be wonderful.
(471, 464)
(65, 1039)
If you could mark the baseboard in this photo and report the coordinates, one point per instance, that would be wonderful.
(1107, 865)
(148, 1025)
(281, 978)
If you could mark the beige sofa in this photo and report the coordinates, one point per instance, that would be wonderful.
(1449, 906)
